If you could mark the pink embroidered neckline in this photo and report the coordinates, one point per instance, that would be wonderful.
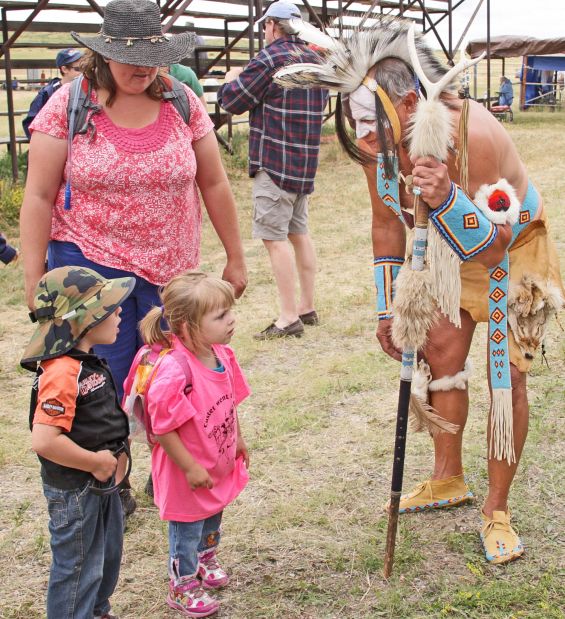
(143, 140)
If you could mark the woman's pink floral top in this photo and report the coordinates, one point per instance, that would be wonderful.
(135, 204)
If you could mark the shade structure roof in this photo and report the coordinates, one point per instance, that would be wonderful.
(509, 46)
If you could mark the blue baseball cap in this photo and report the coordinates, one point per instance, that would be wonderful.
(282, 9)
(67, 56)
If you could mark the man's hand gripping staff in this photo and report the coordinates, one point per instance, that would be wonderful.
(415, 306)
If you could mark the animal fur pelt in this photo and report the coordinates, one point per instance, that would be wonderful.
(423, 415)
(531, 302)
(345, 66)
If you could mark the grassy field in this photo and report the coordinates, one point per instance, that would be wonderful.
(306, 538)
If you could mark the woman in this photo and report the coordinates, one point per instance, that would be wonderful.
(134, 175)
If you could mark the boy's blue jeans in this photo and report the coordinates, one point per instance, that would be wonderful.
(187, 539)
(145, 295)
(86, 543)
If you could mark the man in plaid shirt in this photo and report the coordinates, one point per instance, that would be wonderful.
(284, 143)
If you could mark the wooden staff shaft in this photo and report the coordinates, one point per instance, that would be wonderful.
(418, 258)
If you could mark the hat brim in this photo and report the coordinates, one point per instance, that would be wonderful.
(56, 337)
(168, 50)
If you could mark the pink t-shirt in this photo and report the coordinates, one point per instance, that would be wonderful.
(206, 422)
(134, 204)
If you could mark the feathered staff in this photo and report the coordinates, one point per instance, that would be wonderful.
(430, 135)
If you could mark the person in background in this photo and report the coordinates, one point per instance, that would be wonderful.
(67, 62)
(188, 77)
(284, 144)
(506, 92)
(8, 254)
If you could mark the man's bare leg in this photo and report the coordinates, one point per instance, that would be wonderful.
(305, 256)
(282, 264)
(446, 353)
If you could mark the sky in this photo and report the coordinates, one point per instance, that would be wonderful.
(541, 18)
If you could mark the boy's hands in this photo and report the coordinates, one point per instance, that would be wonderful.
(104, 465)
(198, 477)
(241, 450)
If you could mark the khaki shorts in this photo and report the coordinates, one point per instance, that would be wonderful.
(276, 212)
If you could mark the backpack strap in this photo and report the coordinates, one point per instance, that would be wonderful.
(77, 122)
(183, 362)
(176, 94)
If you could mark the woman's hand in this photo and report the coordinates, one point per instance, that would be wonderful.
(432, 177)
(198, 477)
(241, 450)
(384, 335)
(235, 272)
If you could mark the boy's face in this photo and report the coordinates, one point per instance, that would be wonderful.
(104, 332)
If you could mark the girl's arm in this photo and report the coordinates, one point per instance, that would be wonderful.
(47, 158)
(241, 448)
(220, 205)
(196, 475)
(50, 443)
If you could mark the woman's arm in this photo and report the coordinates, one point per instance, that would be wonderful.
(47, 158)
(220, 205)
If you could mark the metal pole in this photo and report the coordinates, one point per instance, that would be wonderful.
(488, 54)
(176, 15)
(10, 97)
(23, 26)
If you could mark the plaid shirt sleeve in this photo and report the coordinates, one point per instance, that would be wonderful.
(249, 88)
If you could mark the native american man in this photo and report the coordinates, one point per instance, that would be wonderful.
(381, 92)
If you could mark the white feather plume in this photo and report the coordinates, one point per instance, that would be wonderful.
(311, 34)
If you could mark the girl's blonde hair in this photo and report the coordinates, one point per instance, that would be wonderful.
(186, 298)
(96, 69)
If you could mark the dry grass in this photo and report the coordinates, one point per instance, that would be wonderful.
(306, 539)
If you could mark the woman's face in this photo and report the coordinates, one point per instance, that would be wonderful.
(132, 79)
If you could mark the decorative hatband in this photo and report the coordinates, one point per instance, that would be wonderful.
(386, 269)
(467, 230)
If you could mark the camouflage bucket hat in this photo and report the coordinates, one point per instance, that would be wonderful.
(69, 301)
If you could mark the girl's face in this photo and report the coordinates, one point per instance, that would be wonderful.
(132, 79)
(217, 326)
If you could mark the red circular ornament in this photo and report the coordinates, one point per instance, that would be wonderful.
(498, 201)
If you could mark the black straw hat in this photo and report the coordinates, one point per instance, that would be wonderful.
(131, 34)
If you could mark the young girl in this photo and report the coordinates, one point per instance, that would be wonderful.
(200, 461)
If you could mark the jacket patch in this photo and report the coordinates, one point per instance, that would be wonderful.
(53, 407)
(91, 383)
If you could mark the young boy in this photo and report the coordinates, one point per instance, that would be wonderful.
(78, 428)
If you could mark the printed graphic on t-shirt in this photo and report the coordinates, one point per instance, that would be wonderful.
(224, 434)
(53, 407)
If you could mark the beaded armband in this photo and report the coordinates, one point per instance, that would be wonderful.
(386, 269)
(463, 225)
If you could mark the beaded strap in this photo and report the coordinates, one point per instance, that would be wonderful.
(385, 269)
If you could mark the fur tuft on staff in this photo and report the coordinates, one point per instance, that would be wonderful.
(414, 308)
